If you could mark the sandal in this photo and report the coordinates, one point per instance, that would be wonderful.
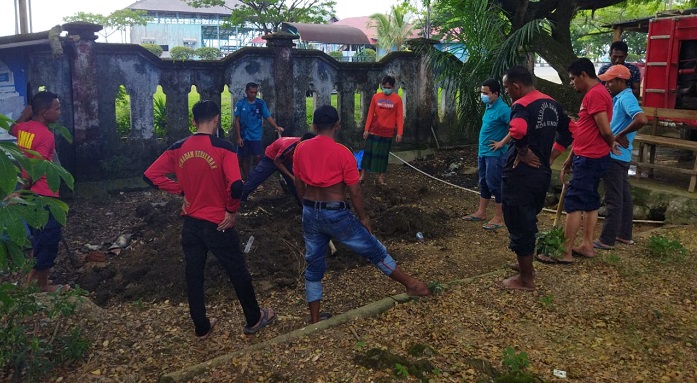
(267, 317)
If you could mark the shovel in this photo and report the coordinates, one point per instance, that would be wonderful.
(560, 206)
(282, 181)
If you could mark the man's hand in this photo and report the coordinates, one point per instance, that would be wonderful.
(365, 135)
(527, 157)
(228, 222)
(622, 140)
(616, 148)
(495, 145)
(399, 138)
(240, 142)
(566, 168)
(366, 223)
(279, 129)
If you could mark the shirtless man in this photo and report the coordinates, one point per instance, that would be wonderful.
(324, 171)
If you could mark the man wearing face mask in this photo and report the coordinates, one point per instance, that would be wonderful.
(493, 140)
(386, 115)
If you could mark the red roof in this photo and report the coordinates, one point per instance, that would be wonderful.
(361, 23)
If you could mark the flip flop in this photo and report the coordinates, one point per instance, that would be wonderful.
(546, 259)
(267, 317)
(625, 241)
(471, 218)
(492, 226)
(602, 246)
(324, 316)
(206, 335)
(579, 254)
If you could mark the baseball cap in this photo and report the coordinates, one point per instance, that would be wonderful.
(616, 71)
(325, 114)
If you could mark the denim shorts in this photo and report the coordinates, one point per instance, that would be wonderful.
(583, 189)
(490, 175)
(319, 226)
(250, 148)
(45, 242)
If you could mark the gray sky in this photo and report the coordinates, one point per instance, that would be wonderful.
(47, 13)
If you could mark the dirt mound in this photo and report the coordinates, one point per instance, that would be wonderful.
(406, 220)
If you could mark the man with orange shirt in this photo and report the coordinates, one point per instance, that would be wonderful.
(35, 135)
(386, 114)
(589, 159)
(208, 176)
(277, 157)
(324, 171)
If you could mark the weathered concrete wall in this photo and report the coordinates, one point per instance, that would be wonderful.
(89, 75)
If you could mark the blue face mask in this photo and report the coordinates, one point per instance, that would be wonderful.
(485, 98)
(387, 91)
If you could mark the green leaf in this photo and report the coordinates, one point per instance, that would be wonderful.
(12, 224)
(8, 175)
(63, 132)
(16, 254)
(58, 208)
(6, 122)
(3, 256)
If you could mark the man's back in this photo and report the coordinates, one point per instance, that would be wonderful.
(536, 118)
(35, 136)
(322, 162)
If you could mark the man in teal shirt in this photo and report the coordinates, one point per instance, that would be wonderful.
(627, 118)
(249, 114)
(493, 140)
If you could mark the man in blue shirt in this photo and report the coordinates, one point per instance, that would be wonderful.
(627, 118)
(249, 114)
(618, 53)
(493, 140)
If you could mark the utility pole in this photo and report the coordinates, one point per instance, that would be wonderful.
(23, 16)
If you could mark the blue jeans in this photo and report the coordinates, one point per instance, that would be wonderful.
(265, 169)
(321, 225)
(490, 175)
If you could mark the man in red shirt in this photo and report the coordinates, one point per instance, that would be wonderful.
(385, 116)
(589, 158)
(324, 171)
(208, 176)
(35, 135)
(277, 157)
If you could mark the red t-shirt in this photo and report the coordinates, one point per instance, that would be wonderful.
(207, 172)
(33, 135)
(323, 162)
(588, 141)
(385, 114)
(279, 147)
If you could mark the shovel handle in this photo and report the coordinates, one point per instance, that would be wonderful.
(560, 206)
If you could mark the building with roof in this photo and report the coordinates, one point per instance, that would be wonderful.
(175, 23)
(329, 38)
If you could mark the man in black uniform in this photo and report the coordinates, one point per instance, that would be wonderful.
(537, 123)
(208, 176)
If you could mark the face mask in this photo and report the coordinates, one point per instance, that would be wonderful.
(485, 98)
(387, 91)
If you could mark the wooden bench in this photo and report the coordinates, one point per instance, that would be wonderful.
(652, 140)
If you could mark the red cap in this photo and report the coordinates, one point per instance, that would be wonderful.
(616, 71)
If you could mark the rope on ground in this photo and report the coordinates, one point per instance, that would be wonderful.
(476, 192)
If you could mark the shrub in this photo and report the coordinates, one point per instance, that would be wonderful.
(337, 55)
(159, 105)
(35, 335)
(181, 53)
(123, 112)
(366, 55)
(664, 248)
(208, 53)
(153, 48)
(550, 243)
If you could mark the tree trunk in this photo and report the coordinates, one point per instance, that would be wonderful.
(556, 55)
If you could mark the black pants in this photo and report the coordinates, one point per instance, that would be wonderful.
(199, 237)
(523, 199)
(618, 201)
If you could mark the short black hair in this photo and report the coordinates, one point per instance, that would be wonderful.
(205, 111)
(619, 46)
(388, 79)
(307, 136)
(325, 117)
(42, 101)
(582, 65)
(520, 75)
(251, 85)
(493, 85)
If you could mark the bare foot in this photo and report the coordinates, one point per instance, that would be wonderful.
(516, 283)
(55, 288)
(210, 331)
(514, 266)
(419, 289)
(581, 252)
